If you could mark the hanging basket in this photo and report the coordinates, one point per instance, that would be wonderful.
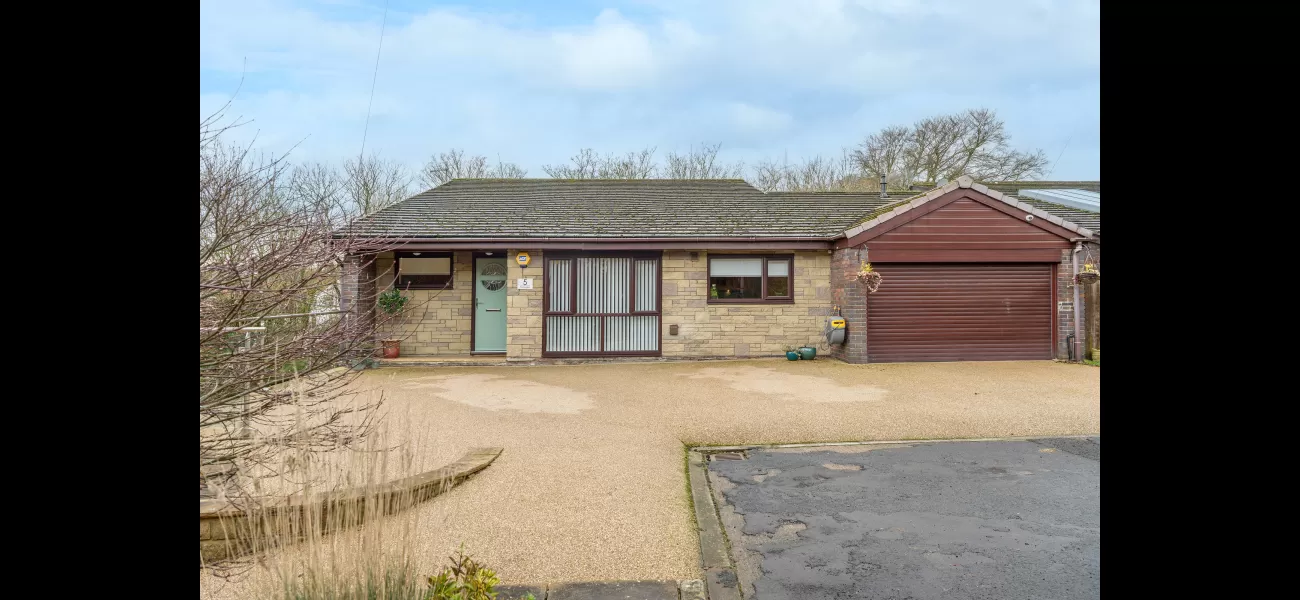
(1087, 277)
(870, 280)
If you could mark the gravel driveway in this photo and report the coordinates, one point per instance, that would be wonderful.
(592, 482)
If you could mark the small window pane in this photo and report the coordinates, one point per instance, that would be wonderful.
(735, 288)
(778, 268)
(736, 267)
(778, 287)
(425, 266)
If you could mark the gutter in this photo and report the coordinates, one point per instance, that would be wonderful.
(597, 240)
(380, 244)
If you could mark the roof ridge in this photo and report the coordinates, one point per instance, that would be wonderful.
(1009, 181)
(589, 180)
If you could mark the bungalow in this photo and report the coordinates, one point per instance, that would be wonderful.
(547, 268)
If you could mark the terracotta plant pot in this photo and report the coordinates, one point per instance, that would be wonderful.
(392, 348)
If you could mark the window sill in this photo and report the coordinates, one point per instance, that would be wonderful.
(753, 301)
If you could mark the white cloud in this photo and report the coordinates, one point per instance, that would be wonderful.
(762, 76)
(612, 54)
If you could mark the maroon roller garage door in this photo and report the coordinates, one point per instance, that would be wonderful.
(973, 311)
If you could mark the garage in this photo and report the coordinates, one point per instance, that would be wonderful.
(966, 274)
(961, 311)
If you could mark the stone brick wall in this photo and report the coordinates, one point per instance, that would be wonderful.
(741, 330)
(524, 307)
(437, 322)
(851, 298)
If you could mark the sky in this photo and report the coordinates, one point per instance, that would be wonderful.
(531, 82)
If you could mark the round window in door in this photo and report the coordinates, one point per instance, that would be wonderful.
(493, 270)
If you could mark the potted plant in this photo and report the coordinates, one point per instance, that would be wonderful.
(807, 353)
(1089, 274)
(392, 302)
(791, 353)
(869, 278)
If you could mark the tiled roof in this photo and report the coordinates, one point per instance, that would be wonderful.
(1083, 218)
(603, 208)
(1014, 187)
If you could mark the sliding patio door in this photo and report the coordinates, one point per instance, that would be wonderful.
(602, 305)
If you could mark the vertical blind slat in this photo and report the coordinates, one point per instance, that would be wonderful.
(558, 283)
(632, 334)
(646, 283)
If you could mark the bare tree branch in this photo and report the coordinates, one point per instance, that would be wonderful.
(586, 164)
(816, 174)
(701, 163)
(372, 184)
(451, 165)
(973, 142)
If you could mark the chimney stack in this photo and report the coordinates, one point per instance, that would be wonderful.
(884, 193)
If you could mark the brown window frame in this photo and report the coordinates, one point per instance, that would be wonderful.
(572, 256)
(447, 284)
(789, 299)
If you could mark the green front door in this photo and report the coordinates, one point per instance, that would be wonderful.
(490, 305)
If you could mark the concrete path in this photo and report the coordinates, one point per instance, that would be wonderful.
(606, 590)
(1014, 519)
(592, 483)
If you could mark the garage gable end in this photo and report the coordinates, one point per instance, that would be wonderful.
(963, 212)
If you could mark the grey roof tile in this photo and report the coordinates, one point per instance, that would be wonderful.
(659, 208)
(1014, 187)
(1086, 219)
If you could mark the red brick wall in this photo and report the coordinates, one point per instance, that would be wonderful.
(851, 298)
(1065, 293)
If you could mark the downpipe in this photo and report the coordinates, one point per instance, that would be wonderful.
(1075, 354)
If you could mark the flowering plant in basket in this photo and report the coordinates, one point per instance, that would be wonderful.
(869, 278)
(1089, 274)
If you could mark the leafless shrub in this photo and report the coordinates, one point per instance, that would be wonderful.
(268, 255)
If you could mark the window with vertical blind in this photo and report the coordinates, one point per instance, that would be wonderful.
(751, 279)
(601, 304)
